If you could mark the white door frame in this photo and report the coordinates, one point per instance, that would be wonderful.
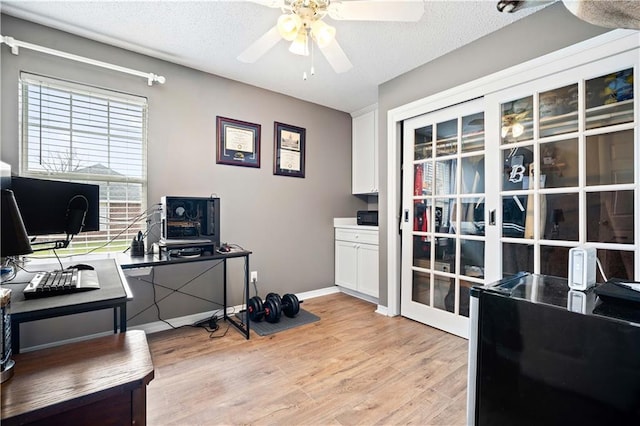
(607, 44)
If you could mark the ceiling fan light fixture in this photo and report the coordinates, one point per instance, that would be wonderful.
(322, 33)
(299, 46)
(289, 26)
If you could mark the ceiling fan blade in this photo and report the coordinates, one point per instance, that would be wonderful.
(374, 10)
(336, 57)
(268, 3)
(260, 46)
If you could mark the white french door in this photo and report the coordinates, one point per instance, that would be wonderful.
(567, 146)
(443, 222)
(512, 181)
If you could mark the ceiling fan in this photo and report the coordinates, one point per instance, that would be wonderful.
(302, 23)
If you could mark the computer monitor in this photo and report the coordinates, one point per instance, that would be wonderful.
(55, 207)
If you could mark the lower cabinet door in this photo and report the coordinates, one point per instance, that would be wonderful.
(368, 269)
(346, 264)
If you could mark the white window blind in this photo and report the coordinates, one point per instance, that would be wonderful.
(79, 133)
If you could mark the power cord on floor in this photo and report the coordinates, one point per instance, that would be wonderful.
(211, 326)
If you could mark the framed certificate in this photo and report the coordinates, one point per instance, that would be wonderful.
(289, 150)
(238, 142)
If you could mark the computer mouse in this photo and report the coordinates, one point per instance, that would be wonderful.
(82, 267)
(224, 249)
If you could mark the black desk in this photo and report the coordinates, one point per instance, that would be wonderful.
(113, 294)
(128, 262)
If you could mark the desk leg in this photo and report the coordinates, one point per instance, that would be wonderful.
(246, 293)
(15, 337)
(123, 317)
(244, 328)
(224, 290)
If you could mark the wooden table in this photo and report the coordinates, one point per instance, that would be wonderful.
(99, 381)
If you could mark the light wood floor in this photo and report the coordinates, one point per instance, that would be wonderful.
(352, 367)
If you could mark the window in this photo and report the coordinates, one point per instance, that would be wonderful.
(79, 133)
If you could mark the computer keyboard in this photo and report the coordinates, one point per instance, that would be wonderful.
(45, 284)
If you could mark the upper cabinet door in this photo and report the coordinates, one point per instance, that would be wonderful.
(365, 153)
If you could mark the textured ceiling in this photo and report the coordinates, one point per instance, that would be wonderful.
(209, 35)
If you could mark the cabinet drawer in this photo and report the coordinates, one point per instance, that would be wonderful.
(356, 236)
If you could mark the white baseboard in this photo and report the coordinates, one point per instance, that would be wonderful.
(317, 293)
(359, 295)
(156, 326)
(382, 310)
(64, 342)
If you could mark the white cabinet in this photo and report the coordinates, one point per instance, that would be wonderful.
(357, 260)
(364, 173)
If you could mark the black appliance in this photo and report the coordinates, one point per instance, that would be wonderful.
(542, 354)
(367, 217)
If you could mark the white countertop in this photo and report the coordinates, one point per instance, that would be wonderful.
(351, 223)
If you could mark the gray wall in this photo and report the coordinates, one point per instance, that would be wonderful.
(546, 31)
(286, 222)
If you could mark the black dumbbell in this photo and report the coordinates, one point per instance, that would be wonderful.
(291, 305)
(288, 303)
(268, 310)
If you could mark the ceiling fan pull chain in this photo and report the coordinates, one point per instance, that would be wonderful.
(313, 70)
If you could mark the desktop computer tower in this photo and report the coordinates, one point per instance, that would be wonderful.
(190, 221)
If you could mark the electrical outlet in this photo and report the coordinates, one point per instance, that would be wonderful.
(254, 276)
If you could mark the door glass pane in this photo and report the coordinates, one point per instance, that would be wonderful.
(445, 255)
(517, 120)
(465, 287)
(514, 215)
(554, 261)
(421, 291)
(444, 209)
(560, 216)
(446, 177)
(422, 251)
(472, 258)
(444, 293)
(558, 110)
(517, 258)
(423, 143)
(423, 179)
(473, 132)
(472, 175)
(472, 216)
(616, 264)
(559, 163)
(610, 217)
(609, 158)
(516, 163)
(609, 99)
(422, 216)
(447, 140)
